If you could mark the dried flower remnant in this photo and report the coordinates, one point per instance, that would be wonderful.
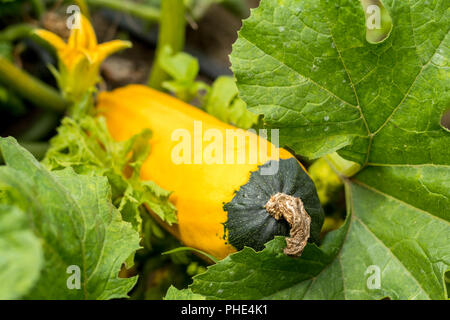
(283, 206)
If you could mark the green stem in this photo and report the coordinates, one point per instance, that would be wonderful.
(16, 31)
(139, 10)
(342, 166)
(20, 31)
(171, 33)
(32, 89)
(38, 7)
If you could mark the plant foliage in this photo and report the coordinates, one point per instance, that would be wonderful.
(307, 67)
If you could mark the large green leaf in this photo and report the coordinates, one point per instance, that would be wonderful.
(77, 224)
(307, 66)
(20, 253)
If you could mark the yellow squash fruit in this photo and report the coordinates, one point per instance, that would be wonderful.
(221, 207)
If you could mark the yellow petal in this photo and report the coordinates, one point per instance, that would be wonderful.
(108, 48)
(83, 37)
(71, 57)
(89, 54)
(51, 38)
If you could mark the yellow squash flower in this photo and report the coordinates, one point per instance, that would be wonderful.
(80, 58)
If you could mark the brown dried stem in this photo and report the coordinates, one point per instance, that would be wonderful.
(283, 206)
